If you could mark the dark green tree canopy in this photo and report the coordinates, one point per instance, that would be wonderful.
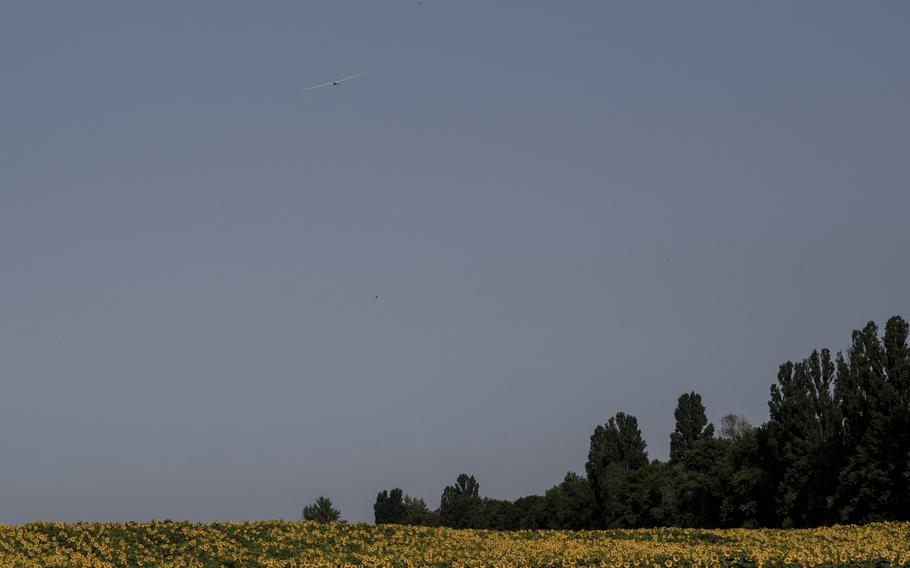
(465, 487)
(617, 451)
(460, 505)
(321, 511)
(389, 507)
(417, 513)
(733, 427)
(691, 425)
(872, 392)
(803, 435)
(569, 505)
(617, 442)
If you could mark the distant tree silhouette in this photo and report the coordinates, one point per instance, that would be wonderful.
(417, 513)
(616, 454)
(321, 511)
(691, 425)
(460, 505)
(389, 507)
(836, 449)
(804, 441)
(873, 394)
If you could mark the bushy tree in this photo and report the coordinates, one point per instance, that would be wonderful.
(695, 490)
(691, 425)
(530, 513)
(744, 502)
(616, 454)
(495, 514)
(873, 396)
(804, 436)
(570, 505)
(697, 487)
(389, 507)
(321, 511)
(460, 505)
(417, 513)
(734, 427)
(566, 506)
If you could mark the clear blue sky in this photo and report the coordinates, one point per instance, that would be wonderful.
(566, 210)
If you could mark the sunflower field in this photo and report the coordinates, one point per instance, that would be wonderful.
(307, 544)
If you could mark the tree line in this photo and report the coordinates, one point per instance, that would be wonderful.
(836, 449)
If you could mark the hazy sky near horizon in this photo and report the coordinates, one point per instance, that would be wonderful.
(566, 209)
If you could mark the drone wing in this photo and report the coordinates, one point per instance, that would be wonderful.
(319, 86)
(349, 78)
(335, 82)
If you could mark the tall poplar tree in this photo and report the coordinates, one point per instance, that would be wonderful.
(695, 492)
(873, 394)
(691, 424)
(804, 441)
(616, 459)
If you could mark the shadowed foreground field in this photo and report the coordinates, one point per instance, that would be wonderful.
(278, 543)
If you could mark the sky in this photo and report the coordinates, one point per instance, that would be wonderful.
(222, 296)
